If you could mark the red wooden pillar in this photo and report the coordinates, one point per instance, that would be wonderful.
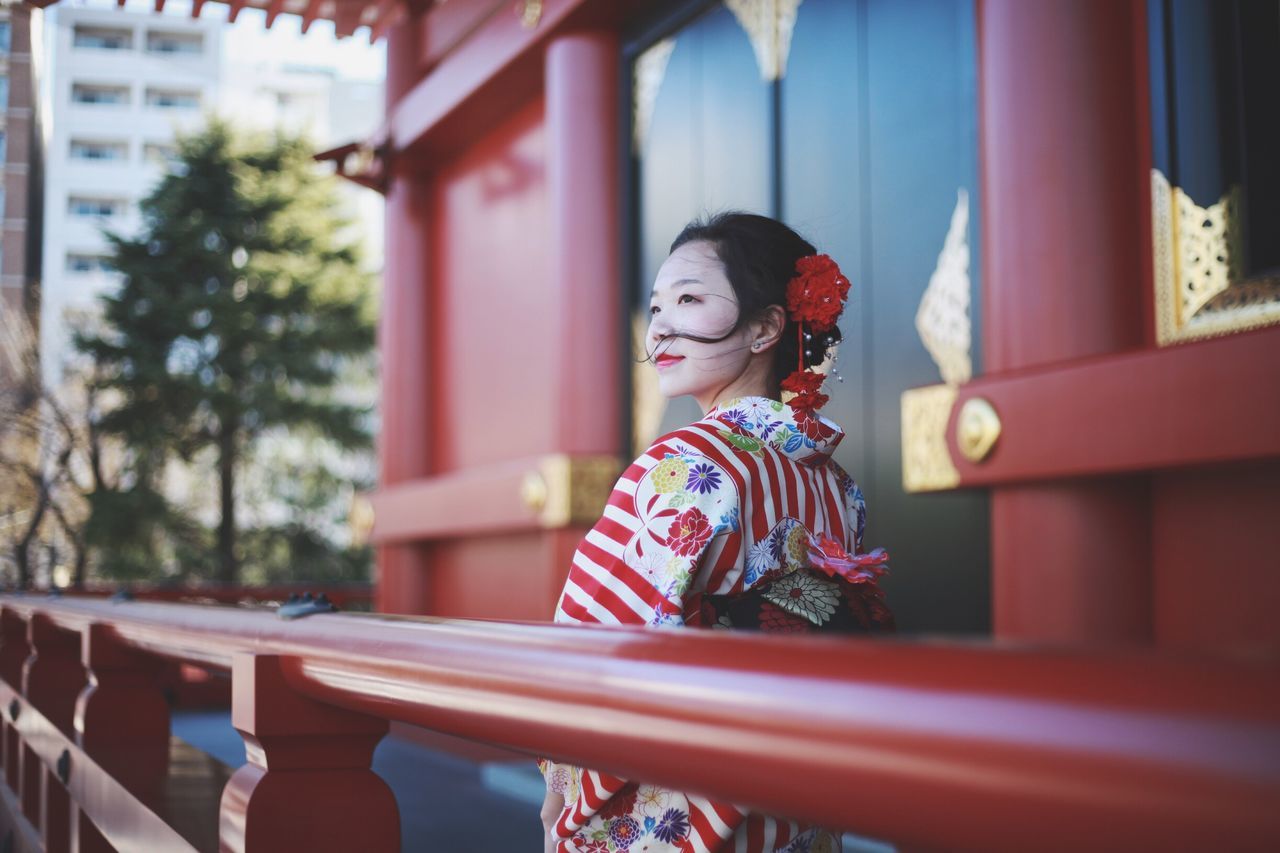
(52, 678)
(583, 177)
(402, 340)
(307, 783)
(1064, 190)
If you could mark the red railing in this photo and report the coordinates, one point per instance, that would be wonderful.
(944, 745)
(348, 596)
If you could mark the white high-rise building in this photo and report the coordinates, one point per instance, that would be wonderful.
(121, 85)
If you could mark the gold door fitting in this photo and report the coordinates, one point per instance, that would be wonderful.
(977, 429)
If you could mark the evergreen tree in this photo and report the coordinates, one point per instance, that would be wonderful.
(239, 305)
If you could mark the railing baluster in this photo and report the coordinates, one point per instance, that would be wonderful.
(53, 675)
(55, 819)
(121, 716)
(14, 650)
(52, 679)
(308, 783)
(29, 784)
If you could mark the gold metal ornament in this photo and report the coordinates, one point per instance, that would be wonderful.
(647, 74)
(769, 25)
(530, 12)
(533, 491)
(945, 328)
(926, 461)
(977, 429)
(1200, 290)
(570, 490)
(943, 318)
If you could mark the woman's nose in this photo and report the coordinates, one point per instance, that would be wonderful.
(658, 328)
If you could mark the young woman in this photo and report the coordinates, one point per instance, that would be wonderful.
(740, 520)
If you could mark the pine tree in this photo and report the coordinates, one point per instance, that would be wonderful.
(239, 305)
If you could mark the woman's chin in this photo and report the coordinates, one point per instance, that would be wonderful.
(670, 390)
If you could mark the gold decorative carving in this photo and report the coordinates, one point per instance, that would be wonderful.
(943, 319)
(977, 429)
(926, 461)
(769, 25)
(1199, 289)
(647, 74)
(570, 490)
(944, 325)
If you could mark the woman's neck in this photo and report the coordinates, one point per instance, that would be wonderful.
(750, 384)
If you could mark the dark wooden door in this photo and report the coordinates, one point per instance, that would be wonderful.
(866, 144)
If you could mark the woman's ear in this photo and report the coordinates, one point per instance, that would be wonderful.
(766, 330)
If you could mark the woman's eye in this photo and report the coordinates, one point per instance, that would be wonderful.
(687, 296)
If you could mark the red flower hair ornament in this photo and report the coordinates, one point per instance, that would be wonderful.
(815, 298)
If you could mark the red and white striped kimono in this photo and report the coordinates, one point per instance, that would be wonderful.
(738, 520)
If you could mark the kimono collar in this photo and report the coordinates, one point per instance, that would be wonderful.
(755, 422)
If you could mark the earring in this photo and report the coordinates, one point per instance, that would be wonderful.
(755, 347)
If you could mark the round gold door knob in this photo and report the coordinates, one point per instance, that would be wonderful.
(977, 429)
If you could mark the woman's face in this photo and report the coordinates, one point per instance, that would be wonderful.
(692, 296)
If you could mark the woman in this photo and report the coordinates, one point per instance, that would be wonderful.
(739, 520)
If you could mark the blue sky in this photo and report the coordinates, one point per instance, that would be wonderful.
(249, 38)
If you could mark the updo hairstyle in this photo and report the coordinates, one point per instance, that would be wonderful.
(759, 256)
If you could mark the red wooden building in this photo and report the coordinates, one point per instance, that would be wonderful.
(1135, 391)
(1063, 398)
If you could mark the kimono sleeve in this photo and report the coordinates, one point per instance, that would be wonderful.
(671, 510)
(855, 510)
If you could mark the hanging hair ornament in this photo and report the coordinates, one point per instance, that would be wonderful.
(815, 298)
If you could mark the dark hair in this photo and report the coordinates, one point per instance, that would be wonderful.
(759, 256)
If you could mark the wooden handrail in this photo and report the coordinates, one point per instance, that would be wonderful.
(342, 594)
(959, 745)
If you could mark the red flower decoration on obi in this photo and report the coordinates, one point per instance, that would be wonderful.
(816, 295)
(829, 557)
(688, 532)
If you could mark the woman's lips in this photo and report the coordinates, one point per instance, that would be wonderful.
(666, 360)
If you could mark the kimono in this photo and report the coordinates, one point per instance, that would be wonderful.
(740, 520)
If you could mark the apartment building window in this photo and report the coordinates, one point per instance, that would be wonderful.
(160, 154)
(82, 149)
(95, 207)
(4, 149)
(188, 44)
(4, 91)
(102, 38)
(173, 99)
(89, 93)
(4, 36)
(80, 262)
